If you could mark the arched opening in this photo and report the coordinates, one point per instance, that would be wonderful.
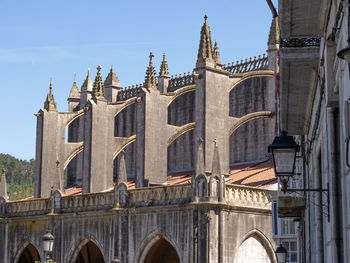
(29, 255)
(250, 95)
(245, 255)
(162, 251)
(249, 142)
(130, 155)
(181, 153)
(73, 169)
(89, 253)
(125, 126)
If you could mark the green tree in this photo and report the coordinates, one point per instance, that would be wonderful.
(19, 176)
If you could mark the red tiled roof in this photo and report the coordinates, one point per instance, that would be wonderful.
(258, 174)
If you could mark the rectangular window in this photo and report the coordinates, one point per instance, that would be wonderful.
(288, 226)
(292, 255)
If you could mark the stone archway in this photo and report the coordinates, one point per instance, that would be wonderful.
(87, 252)
(29, 254)
(245, 255)
(255, 241)
(157, 248)
(162, 251)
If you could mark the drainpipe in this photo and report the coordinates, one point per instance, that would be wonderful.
(319, 208)
(333, 204)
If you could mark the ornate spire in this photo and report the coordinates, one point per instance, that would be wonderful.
(164, 68)
(122, 177)
(205, 44)
(200, 159)
(215, 167)
(3, 188)
(74, 92)
(87, 85)
(274, 36)
(98, 91)
(150, 79)
(112, 79)
(50, 104)
(216, 54)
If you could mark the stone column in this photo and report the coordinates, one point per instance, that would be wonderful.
(151, 139)
(211, 114)
(98, 147)
(49, 137)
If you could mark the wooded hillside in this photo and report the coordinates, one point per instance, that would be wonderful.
(19, 176)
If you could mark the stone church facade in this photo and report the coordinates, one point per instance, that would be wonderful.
(151, 173)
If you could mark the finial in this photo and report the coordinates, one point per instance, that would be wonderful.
(215, 168)
(3, 187)
(122, 176)
(215, 142)
(150, 79)
(205, 45)
(98, 90)
(112, 79)
(164, 68)
(88, 71)
(216, 54)
(50, 104)
(74, 92)
(200, 167)
(50, 85)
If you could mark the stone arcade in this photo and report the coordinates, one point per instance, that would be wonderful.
(155, 172)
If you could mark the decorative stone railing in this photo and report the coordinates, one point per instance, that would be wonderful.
(235, 195)
(85, 202)
(129, 92)
(180, 81)
(29, 207)
(250, 197)
(260, 63)
(160, 195)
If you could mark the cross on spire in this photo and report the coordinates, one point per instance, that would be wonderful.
(150, 56)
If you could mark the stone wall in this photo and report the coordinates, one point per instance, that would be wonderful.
(249, 142)
(193, 229)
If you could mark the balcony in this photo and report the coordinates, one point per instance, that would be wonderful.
(299, 59)
(302, 18)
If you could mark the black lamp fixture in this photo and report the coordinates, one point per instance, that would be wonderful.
(284, 152)
(281, 254)
(48, 240)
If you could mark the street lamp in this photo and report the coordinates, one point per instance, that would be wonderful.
(281, 254)
(284, 152)
(48, 240)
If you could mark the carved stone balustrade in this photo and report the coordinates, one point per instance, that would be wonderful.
(237, 196)
(260, 63)
(160, 195)
(85, 202)
(249, 197)
(181, 81)
(28, 207)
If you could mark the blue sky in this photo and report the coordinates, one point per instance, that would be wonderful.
(42, 39)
